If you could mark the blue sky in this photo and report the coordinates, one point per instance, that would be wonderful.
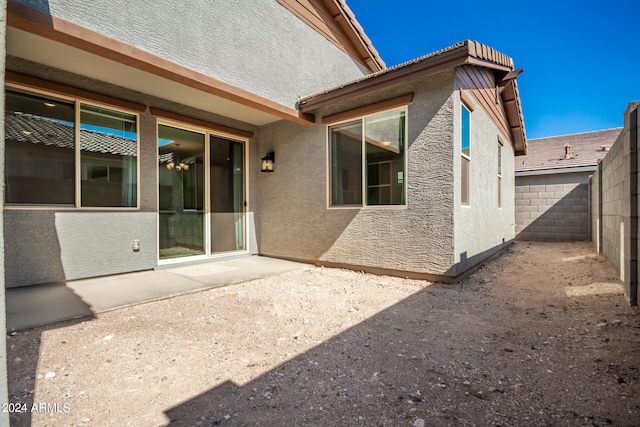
(581, 58)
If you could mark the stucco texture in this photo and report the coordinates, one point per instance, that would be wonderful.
(257, 45)
(46, 248)
(295, 221)
(4, 397)
(481, 228)
(54, 246)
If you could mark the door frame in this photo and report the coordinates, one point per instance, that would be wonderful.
(207, 132)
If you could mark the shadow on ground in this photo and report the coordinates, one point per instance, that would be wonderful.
(453, 355)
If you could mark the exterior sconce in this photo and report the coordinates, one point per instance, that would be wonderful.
(268, 161)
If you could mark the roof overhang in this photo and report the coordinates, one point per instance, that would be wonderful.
(345, 18)
(463, 53)
(513, 110)
(45, 39)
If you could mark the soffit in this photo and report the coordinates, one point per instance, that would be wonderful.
(467, 52)
(58, 55)
(42, 38)
(336, 22)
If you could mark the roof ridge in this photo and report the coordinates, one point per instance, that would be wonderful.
(577, 133)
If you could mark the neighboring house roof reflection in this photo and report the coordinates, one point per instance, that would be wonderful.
(28, 128)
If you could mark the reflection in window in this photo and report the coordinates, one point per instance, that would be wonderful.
(346, 164)
(382, 139)
(40, 136)
(40, 150)
(180, 192)
(385, 158)
(109, 148)
(466, 156)
(499, 174)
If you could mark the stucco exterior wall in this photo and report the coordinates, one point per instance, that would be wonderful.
(52, 245)
(257, 45)
(4, 394)
(295, 221)
(481, 228)
(553, 207)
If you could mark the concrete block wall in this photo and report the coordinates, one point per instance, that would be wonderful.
(552, 207)
(615, 217)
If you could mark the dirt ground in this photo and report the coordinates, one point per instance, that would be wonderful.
(540, 336)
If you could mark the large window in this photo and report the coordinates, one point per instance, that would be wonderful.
(465, 160)
(367, 160)
(44, 140)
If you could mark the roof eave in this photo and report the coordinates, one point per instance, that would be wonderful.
(356, 33)
(445, 61)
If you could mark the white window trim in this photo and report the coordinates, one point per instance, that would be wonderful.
(78, 178)
(364, 183)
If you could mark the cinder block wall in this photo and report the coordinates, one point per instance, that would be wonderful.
(615, 218)
(552, 207)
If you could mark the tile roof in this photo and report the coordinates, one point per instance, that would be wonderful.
(549, 153)
(468, 47)
(60, 134)
(466, 52)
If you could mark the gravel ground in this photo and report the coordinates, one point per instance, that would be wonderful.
(540, 336)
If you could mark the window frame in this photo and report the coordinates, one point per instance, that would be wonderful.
(77, 101)
(500, 146)
(207, 130)
(465, 157)
(404, 108)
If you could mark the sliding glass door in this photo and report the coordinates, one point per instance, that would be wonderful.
(181, 192)
(227, 195)
(201, 203)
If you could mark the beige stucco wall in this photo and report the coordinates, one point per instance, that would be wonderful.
(482, 228)
(256, 45)
(4, 394)
(52, 245)
(295, 221)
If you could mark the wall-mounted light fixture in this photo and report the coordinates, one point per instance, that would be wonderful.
(268, 161)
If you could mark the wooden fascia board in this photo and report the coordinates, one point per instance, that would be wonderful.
(201, 123)
(510, 97)
(384, 80)
(344, 21)
(369, 109)
(36, 83)
(487, 64)
(44, 25)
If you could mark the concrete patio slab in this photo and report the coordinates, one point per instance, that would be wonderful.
(41, 305)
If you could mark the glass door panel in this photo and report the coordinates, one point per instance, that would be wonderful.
(227, 195)
(181, 179)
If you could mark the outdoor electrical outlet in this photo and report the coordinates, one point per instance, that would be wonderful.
(135, 245)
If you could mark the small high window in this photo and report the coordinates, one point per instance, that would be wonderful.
(499, 174)
(465, 160)
(367, 160)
